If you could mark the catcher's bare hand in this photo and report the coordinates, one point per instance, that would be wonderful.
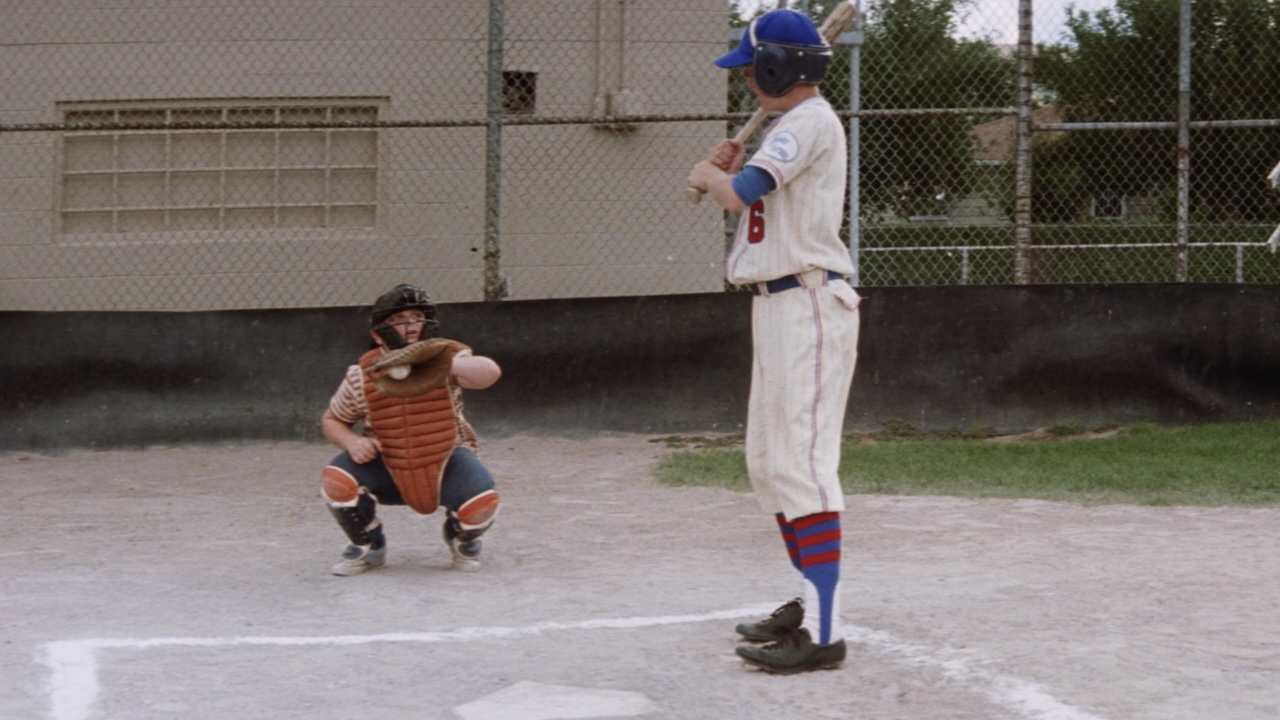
(475, 372)
(364, 449)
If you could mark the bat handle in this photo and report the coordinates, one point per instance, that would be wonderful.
(757, 118)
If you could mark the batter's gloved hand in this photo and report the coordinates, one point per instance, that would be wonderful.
(414, 369)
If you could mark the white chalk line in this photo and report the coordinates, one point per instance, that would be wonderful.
(1016, 694)
(74, 685)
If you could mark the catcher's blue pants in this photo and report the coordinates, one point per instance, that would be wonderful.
(464, 478)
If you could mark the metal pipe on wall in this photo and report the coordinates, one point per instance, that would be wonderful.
(601, 106)
(624, 45)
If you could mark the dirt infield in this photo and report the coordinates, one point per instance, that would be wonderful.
(191, 582)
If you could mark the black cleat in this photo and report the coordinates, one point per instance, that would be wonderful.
(783, 620)
(795, 652)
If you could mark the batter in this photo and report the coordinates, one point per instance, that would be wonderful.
(790, 198)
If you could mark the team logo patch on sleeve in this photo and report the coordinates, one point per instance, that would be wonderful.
(782, 146)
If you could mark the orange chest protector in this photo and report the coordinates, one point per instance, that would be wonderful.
(417, 436)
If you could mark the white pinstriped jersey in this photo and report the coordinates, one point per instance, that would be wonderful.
(796, 226)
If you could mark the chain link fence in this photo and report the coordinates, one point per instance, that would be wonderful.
(161, 156)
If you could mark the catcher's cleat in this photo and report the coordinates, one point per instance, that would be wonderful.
(357, 559)
(794, 652)
(464, 544)
(466, 555)
(783, 620)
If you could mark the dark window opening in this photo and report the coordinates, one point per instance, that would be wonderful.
(519, 92)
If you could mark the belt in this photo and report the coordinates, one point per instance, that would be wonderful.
(787, 282)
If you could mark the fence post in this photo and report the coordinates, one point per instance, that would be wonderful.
(1184, 138)
(495, 286)
(855, 140)
(1022, 152)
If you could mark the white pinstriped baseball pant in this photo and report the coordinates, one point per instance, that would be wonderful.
(806, 345)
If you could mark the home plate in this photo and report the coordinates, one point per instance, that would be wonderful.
(535, 701)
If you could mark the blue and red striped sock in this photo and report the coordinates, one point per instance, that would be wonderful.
(789, 539)
(818, 539)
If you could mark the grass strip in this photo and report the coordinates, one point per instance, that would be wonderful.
(1212, 465)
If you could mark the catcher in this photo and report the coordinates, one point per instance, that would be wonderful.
(415, 448)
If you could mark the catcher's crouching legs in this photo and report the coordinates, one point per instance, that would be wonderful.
(464, 526)
(356, 513)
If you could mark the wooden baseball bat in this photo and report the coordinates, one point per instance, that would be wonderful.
(836, 23)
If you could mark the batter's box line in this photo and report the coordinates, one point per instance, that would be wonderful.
(74, 686)
(1027, 699)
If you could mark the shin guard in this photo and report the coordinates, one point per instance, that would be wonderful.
(360, 522)
(471, 520)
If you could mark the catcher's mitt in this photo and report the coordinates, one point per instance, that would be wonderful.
(414, 369)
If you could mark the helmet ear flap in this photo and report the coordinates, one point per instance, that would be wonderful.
(767, 67)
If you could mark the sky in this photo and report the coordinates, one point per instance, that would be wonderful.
(998, 18)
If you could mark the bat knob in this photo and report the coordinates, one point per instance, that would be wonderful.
(694, 195)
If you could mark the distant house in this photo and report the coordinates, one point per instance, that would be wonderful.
(996, 139)
(995, 149)
(995, 142)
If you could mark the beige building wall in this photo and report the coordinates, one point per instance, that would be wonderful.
(587, 209)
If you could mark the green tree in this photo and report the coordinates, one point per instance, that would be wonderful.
(912, 163)
(1121, 65)
(920, 163)
(738, 17)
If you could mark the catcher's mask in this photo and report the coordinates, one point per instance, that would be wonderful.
(399, 299)
(784, 48)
